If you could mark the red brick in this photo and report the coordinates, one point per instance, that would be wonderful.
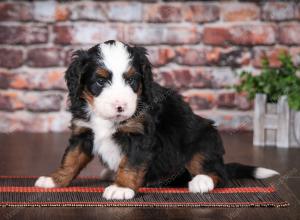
(199, 99)
(179, 78)
(63, 34)
(44, 11)
(8, 78)
(231, 121)
(4, 79)
(124, 11)
(202, 78)
(34, 122)
(216, 35)
(94, 11)
(261, 34)
(242, 102)
(50, 11)
(11, 58)
(161, 55)
(232, 100)
(44, 57)
(278, 11)
(34, 79)
(25, 34)
(31, 101)
(239, 11)
(250, 34)
(201, 12)
(15, 11)
(169, 34)
(62, 12)
(10, 101)
(230, 56)
(39, 102)
(272, 54)
(86, 33)
(163, 77)
(191, 56)
(289, 33)
(226, 100)
(223, 77)
(162, 12)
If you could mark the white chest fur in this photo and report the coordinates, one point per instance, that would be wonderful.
(104, 145)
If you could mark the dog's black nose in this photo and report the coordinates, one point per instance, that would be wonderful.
(120, 109)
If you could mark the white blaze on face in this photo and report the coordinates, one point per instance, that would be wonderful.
(116, 59)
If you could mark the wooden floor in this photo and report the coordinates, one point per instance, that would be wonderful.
(39, 154)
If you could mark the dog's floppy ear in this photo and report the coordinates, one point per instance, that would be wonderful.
(74, 73)
(146, 71)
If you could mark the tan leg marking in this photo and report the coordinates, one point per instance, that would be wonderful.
(195, 167)
(74, 161)
(130, 177)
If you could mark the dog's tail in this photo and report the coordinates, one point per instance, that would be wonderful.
(236, 170)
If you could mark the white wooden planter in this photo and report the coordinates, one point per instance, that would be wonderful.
(275, 124)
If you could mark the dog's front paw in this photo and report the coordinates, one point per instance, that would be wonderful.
(45, 182)
(117, 192)
(201, 184)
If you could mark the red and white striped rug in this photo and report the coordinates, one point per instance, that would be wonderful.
(87, 191)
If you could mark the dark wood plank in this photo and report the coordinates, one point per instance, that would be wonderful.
(39, 154)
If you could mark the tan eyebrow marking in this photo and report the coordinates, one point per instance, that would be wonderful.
(103, 72)
(129, 73)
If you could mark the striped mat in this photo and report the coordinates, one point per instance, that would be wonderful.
(87, 191)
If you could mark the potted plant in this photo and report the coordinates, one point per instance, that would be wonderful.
(276, 94)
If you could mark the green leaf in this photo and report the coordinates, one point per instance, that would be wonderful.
(274, 82)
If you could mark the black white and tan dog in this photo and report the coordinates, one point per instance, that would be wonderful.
(141, 131)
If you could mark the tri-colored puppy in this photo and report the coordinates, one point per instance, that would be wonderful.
(140, 130)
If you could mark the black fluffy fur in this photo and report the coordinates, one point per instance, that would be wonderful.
(172, 132)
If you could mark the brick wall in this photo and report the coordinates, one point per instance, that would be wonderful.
(195, 47)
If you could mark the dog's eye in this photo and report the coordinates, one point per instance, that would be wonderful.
(97, 86)
(131, 81)
(100, 82)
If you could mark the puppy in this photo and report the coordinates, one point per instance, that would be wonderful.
(139, 129)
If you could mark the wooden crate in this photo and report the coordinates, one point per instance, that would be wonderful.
(275, 124)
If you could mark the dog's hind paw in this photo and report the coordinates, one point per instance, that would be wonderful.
(201, 184)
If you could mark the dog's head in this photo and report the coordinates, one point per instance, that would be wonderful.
(112, 78)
